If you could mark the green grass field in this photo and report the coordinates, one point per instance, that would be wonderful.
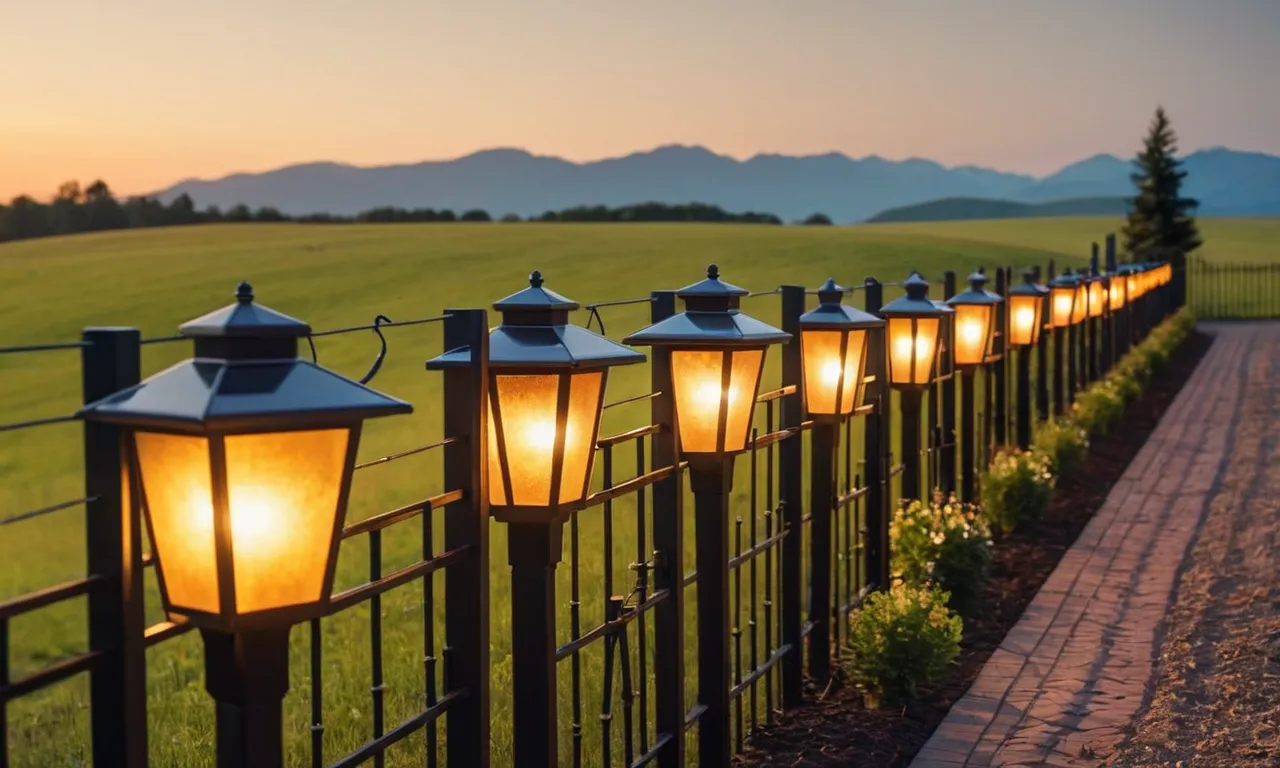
(336, 276)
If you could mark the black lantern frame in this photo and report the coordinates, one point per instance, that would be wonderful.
(985, 304)
(913, 307)
(1027, 295)
(833, 317)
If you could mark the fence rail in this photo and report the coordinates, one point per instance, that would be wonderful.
(1227, 291)
(803, 551)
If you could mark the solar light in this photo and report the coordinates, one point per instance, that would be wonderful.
(833, 345)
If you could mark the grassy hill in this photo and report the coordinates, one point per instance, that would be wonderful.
(337, 276)
(958, 208)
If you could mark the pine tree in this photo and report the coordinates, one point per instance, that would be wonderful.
(1161, 223)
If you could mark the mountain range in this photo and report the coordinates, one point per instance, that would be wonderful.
(501, 181)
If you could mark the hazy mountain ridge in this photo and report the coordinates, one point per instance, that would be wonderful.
(1227, 182)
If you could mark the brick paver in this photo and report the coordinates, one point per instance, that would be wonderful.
(1073, 672)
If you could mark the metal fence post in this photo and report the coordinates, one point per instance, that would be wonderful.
(875, 431)
(110, 362)
(948, 453)
(790, 482)
(466, 524)
(822, 496)
(1042, 355)
(668, 543)
(1000, 368)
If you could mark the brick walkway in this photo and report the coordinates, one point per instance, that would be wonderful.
(1073, 672)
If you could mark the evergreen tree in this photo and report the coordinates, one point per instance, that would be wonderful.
(1161, 222)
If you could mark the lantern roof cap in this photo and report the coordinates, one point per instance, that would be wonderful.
(1028, 286)
(535, 333)
(977, 295)
(711, 286)
(1067, 279)
(535, 297)
(245, 376)
(245, 318)
(830, 313)
(711, 319)
(915, 303)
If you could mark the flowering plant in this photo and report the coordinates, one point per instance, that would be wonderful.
(1064, 442)
(1018, 486)
(945, 542)
(901, 639)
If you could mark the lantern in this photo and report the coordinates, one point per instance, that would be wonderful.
(717, 355)
(975, 322)
(1026, 305)
(1117, 298)
(546, 393)
(1097, 296)
(244, 456)
(833, 347)
(1080, 310)
(914, 333)
(1063, 296)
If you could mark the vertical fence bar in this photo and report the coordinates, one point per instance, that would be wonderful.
(1090, 371)
(1000, 368)
(791, 484)
(875, 429)
(668, 544)
(947, 460)
(1023, 420)
(110, 362)
(4, 680)
(466, 524)
(822, 496)
(1042, 353)
(968, 437)
(376, 688)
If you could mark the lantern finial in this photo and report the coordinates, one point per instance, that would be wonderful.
(978, 280)
(713, 272)
(916, 286)
(244, 293)
(830, 292)
(535, 279)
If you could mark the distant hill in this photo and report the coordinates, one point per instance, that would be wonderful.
(848, 190)
(955, 208)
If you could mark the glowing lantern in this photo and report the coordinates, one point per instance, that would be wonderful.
(833, 346)
(244, 455)
(717, 355)
(546, 393)
(1063, 296)
(975, 322)
(1118, 297)
(1026, 305)
(1097, 296)
(914, 331)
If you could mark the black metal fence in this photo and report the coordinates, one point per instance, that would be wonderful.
(800, 562)
(1226, 291)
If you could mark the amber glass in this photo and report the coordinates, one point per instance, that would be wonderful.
(832, 382)
(702, 401)
(1081, 308)
(1024, 319)
(178, 488)
(1117, 293)
(913, 345)
(1063, 302)
(581, 430)
(1097, 298)
(973, 333)
(282, 494)
(1132, 290)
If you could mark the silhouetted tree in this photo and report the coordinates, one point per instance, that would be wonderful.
(267, 213)
(511, 218)
(1161, 221)
(239, 213)
(476, 214)
(818, 220)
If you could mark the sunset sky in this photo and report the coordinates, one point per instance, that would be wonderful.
(143, 93)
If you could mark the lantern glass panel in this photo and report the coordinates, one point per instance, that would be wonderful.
(1132, 287)
(282, 497)
(831, 383)
(1117, 293)
(1097, 299)
(580, 434)
(177, 483)
(912, 347)
(702, 401)
(1081, 309)
(742, 397)
(973, 332)
(1063, 300)
(1024, 319)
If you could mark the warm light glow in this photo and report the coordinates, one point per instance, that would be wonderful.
(913, 344)
(832, 384)
(973, 333)
(1117, 292)
(527, 408)
(1024, 326)
(282, 498)
(1081, 309)
(1097, 299)
(1063, 303)
(703, 402)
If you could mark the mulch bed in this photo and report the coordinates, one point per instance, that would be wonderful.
(836, 730)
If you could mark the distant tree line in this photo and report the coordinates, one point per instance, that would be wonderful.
(95, 209)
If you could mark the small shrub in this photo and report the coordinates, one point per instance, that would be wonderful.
(902, 639)
(1099, 408)
(945, 542)
(1064, 442)
(1018, 486)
